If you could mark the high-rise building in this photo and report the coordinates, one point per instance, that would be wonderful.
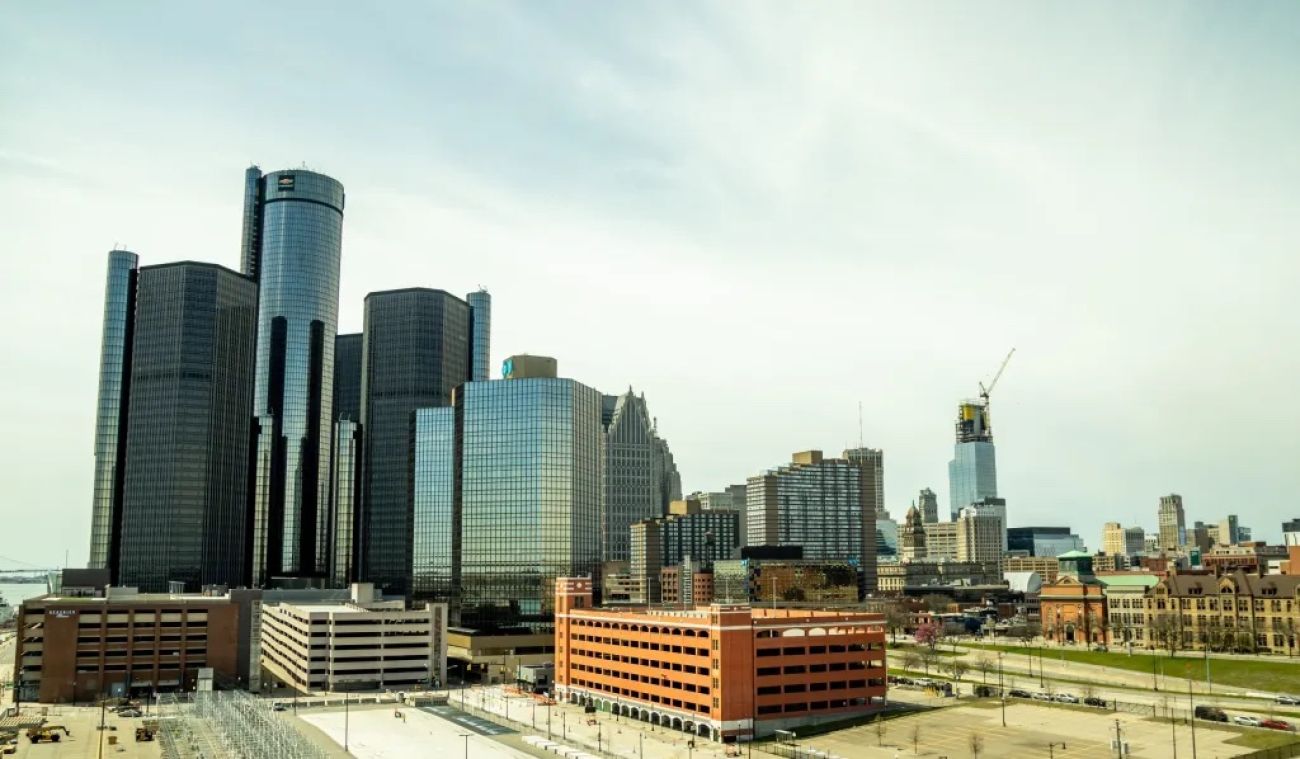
(1228, 531)
(1291, 532)
(347, 376)
(185, 489)
(480, 325)
(973, 472)
(416, 351)
(688, 532)
(817, 503)
(1117, 540)
(872, 464)
(1043, 541)
(928, 503)
(435, 533)
(530, 460)
(1173, 529)
(912, 538)
(731, 499)
(111, 410)
(292, 242)
(886, 539)
(979, 536)
(941, 541)
(640, 477)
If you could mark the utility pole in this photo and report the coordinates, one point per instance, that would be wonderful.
(1002, 691)
(1191, 712)
(1119, 742)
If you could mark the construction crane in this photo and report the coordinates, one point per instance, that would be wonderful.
(985, 392)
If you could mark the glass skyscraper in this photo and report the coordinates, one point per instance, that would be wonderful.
(347, 377)
(416, 350)
(111, 412)
(973, 472)
(436, 523)
(292, 242)
(480, 307)
(640, 476)
(187, 441)
(529, 496)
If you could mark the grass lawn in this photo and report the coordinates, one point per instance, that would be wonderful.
(1278, 675)
(1263, 739)
(918, 649)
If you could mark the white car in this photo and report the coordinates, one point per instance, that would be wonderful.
(1284, 698)
(1042, 696)
(1066, 698)
(1247, 720)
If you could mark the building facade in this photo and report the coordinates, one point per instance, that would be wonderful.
(127, 644)
(111, 409)
(292, 243)
(416, 351)
(979, 536)
(911, 539)
(1170, 517)
(774, 582)
(819, 504)
(897, 578)
(1072, 609)
(480, 327)
(941, 540)
(529, 456)
(1043, 541)
(185, 483)
(703, 536)
(928, 503)
(640, 476)
(435, 535)
(1118, 540)
(723, 672)
(871, 462)
(363, 644)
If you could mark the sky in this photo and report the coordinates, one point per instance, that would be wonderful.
(759, 214)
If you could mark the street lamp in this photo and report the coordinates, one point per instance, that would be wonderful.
(1051, 748)
(1002, 691)
(466, 737)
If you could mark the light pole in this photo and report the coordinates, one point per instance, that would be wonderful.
(1119, 742)
(1191, 712)
(1002, 691)
(466, 737)
(345, 722)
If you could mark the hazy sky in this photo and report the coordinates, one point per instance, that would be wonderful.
(760, 214)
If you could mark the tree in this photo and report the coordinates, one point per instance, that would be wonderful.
(927, 634)
(911, 660)
(928, 657)
(896, 618)
(916, 737)
(881, 729)
(976, 745)
(958, 668)
(937, 603)
(985, 665)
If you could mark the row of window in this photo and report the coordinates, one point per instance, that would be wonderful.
(649, 680)
(813, 706)
(689, 669)
(653, 698)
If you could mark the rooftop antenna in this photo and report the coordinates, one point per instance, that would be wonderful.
(859, 424)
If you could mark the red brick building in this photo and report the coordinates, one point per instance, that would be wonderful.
(723, 672)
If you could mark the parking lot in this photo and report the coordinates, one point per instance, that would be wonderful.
(82, 738)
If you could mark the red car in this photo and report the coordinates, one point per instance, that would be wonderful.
(1277, 724)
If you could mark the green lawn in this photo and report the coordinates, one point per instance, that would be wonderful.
(918, 649)
(1278, 675)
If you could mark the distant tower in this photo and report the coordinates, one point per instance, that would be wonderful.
(973, 471)
(480, 320)
(928, 503)
(1173, 526)
(912, 540)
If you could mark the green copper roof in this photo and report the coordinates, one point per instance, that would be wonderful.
(1143, 579)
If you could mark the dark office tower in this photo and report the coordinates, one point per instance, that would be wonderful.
(415, 352)
(347, 377)
(529, 457)
(292, 242)
(110, 416)
(639, 473)
(480, 313)
(186, 485)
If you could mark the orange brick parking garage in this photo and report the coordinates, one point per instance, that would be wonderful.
(704, 670)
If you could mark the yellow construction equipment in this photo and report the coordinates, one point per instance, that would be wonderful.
(46, 733)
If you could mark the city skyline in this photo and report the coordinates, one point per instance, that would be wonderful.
(1129, 321)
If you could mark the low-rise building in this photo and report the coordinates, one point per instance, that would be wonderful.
(359, 645)
(941, 540)
(893, 578)
(1073, 608)
(774, 581)
(725, 672)
(1046, 566)
(1252, 557)
(123, 643)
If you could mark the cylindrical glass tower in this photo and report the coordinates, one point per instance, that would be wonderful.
(297, 265)
(480, 307)
(110, 416)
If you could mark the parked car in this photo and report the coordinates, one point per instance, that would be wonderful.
(985, 691)
(1277, 724)
(1284, 698)
(279, 707)
(1067, 698)
(1212, 713)
(129, 711)
(1099, 648)
(1018, 693)
(1042, 695)
(1094, 701)
(1247, 720)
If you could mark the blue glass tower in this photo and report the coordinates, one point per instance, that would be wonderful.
(973, 472)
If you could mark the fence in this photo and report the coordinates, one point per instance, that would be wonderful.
(1277, 752)
(790, 751)
(228, 725)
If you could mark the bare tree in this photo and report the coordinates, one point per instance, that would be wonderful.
(911, 660)
(896, 618)
(976, 745)
(929, 657)
(958, 668)
(985, 665)
(916, 737)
